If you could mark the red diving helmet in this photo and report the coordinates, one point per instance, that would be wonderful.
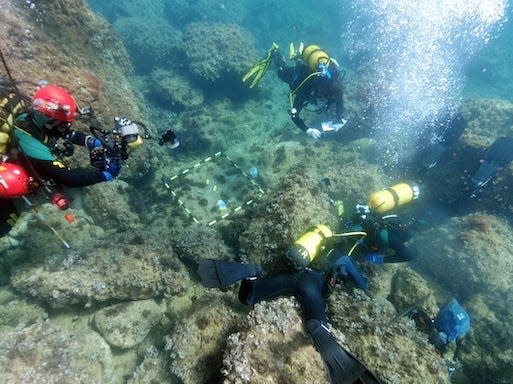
(56, 103)
(14, 181)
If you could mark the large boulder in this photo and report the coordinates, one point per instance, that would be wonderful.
(219, 53)
(125, 325)
(130, 272)
(45, 353)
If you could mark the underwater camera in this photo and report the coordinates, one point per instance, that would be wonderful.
(116, 143)
(125, 136)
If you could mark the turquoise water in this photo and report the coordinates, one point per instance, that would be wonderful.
(124, 304)
(410, 67)
(421, 62)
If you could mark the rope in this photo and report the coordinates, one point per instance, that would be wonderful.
(197, 165)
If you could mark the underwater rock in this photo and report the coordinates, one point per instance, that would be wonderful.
(153, 369)
(109, 205)
(468, 255)
(412, 292)
(129, 272)
(391, 347)
(79, 233)
(174, 90)
(492, 332)
(272, 346)
(283, 214)
(219, 53)
(201, 242)
(15, 310)
(45, 353)
(150, 44)
(473, 261)
(196, 342)
(487, 119)
(125, 325)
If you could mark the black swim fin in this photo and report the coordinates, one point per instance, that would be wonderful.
(221, 273)
(342, 367)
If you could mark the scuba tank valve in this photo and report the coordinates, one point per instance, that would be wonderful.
(307, 247)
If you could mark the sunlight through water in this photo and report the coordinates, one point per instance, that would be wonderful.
(419, 50)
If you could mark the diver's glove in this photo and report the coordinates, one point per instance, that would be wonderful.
(314, 133)
(112, 170)
(93, 142)
(375, 258)
(346, 267)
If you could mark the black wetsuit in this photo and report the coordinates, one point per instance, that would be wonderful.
(48, 169)
(54, 170)
(307, 286)
(383, 235)
(314, 90)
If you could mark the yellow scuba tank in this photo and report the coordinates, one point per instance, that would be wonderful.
(393, 197)
(313, 55)
(307, 247)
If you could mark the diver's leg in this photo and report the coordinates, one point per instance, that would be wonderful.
(253, 291)
(221, 273)
(308, 289)
(287, 74)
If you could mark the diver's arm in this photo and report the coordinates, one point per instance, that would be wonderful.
(294, 113)
(79, 138)
(339, 106)
(402, 252)
(80, 177)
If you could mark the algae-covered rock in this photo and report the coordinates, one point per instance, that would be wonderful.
(174, 90)
(411, 292)
(45, 353)
(153, 368)
(469, 254)
(109, 205)
(127, 324)
(492, 317)
(218, 52)
(195, 344)
(15, 310)
(201, 242)
(271, 346)
(395, 351)
(292, 207)
(150, 44)
(129, 272)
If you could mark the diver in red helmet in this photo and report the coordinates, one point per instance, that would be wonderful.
(40, 130)
(44, 135)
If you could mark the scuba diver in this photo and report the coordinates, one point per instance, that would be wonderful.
(497, 157)
(310, 277)
(314, 81)
(37, 148)
(36, 134)
(385, 234)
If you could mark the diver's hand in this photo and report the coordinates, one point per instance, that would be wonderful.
(112, 170)
(314, 133)
(93, 142)
(375, 258)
